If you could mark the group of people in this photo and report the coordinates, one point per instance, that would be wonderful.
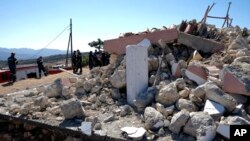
(77, 61)
(12, 62)
(98, 59)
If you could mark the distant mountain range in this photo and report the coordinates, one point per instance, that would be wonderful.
(27, 53)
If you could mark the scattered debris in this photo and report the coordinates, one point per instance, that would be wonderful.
(194, 83)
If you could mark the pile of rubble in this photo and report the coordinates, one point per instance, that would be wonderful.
(197, 88)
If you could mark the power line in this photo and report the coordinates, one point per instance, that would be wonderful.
(67, 27)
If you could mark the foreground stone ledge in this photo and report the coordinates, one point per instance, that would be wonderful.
(59, 127)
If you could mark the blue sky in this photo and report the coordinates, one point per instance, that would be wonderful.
(34, 23)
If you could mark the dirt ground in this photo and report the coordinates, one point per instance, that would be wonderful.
(33, 82)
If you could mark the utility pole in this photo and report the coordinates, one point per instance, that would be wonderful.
(70, 43)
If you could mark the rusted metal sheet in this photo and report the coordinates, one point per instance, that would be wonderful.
(200, 44)
(118, 46)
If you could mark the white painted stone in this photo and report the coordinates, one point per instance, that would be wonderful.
(138, 135)
(129, 130)
(136, 69)
(134, 132)
(86, 128)
(195, 77)
(214, 109)
(224, 130)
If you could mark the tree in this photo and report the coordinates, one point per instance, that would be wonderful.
(96, 44)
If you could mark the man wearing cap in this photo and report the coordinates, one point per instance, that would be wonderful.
(12, 62)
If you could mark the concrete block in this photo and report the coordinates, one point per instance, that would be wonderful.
(232, 84)
(214, 109)
(214, 93)
(136, 69)
(196, 73)
(118, 46)
(200, 44)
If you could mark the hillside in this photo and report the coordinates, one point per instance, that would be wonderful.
(27, 53)
(52, 59)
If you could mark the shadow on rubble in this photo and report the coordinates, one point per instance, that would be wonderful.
(71, 123)
(7, 84)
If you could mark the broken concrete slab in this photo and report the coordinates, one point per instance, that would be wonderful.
(196, 73)
(118, 46)
(214, 109)
(200, 44)
(234, 80)
(136, 69)
(216, 94)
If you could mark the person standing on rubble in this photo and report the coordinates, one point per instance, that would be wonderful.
(79, 61)
(74, 67)
(91, 60)
(12, 62)
(41, 67)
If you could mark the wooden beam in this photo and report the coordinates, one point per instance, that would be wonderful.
(215, 17)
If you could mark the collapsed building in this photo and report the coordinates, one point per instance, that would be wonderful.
(190, 82)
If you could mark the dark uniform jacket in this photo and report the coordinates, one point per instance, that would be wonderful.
(40, 62)
(12, 61)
